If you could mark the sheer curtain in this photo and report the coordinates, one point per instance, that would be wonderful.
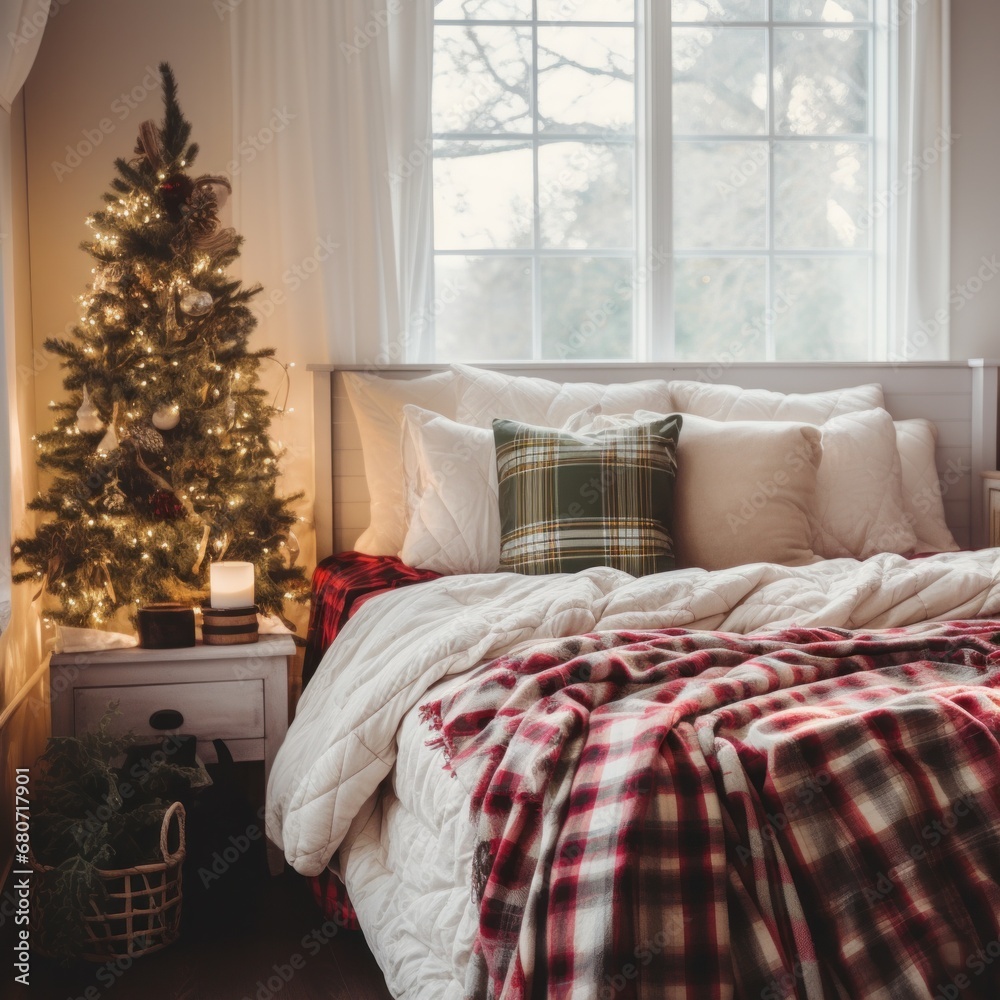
(331, 188)
(24, 709)
(921, 258)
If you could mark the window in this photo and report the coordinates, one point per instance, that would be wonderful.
(617, 180)
(534, 117)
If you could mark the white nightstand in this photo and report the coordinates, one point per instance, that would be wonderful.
(235, 693)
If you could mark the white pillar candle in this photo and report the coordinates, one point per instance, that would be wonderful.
(231, 584)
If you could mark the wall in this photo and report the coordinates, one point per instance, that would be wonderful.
(91, 86)
(24, 718)
(975, 225)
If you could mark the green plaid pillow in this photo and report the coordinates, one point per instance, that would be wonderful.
(571, 501)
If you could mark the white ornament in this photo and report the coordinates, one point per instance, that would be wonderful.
(88, 419)
(196, 303)
(293, 548)
(166, 417)
(109, 442)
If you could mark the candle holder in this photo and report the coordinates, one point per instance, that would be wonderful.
(166, 626)
(228, 626)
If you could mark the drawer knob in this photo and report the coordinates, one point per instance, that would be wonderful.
(166, 718)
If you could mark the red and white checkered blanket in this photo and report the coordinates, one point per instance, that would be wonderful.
(812, 813)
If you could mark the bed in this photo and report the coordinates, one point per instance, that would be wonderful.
(743, 780)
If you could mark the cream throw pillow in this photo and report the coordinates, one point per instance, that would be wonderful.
(859, 490)
(745, 489)
(916, 442)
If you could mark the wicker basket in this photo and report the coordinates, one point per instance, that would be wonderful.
(142, 911)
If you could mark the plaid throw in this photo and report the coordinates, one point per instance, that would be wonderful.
(340, 585)
(697, 816)
(571, 501)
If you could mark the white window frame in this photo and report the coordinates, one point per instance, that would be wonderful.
(654, 250)
(536, 252)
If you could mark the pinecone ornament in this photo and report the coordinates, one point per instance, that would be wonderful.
(147, 439)
(201, 213)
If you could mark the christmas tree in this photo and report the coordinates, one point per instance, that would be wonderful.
(161, 458)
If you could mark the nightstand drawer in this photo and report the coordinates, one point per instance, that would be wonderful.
(209, 710)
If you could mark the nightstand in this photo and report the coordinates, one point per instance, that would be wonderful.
(991, 508)
(235, 693)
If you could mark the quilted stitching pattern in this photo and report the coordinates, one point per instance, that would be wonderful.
(451, 474)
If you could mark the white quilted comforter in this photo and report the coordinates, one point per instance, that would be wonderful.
(403, 848)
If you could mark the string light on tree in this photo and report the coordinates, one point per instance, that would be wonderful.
(185, 471)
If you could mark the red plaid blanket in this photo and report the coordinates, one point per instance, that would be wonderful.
(808, 814)
(340, 585)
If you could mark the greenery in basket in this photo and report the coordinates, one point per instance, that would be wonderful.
(90, 816)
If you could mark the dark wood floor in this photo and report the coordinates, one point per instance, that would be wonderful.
(240, 967)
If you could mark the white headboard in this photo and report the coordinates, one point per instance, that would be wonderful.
(960, 397)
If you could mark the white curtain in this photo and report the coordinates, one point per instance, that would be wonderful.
(920, 255)
(331, 188)
(23, 709)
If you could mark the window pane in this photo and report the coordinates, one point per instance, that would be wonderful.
(720, 81)
(586, 10)
(820, 195)
(485, 10)
(821, 308)
(482, 308)
(820, 81)
(585, 195)
(482, 79)
(483, 196)
(720, 194)
(718, 10)
(586, 308)
(585, 79)
(822, 10)
(719, 309)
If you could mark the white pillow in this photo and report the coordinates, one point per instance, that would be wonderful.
(378, 408)
(859, 491)
(486, 395)
(730, 402)
(452, 495)
(916, 441)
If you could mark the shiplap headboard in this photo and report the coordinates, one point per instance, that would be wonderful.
(960, 397)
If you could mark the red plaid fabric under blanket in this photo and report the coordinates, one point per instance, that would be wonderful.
(340, 585)
(812, 813)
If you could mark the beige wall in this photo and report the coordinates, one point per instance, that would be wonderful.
(975, 228)
(92, 77)
(95, 52)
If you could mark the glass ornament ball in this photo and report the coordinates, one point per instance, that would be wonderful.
(196, 303)
(166, 417)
